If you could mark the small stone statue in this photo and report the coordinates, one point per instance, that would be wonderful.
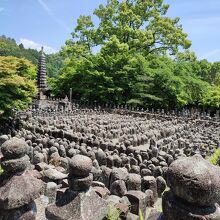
(80, 201)
(18, 188)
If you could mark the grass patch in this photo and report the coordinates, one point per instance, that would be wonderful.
(141, 217)
(213, 159)
(1, 170)
(113, 213)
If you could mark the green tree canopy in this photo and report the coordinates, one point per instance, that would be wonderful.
(142, 25)
(133, 56)
(17, 84)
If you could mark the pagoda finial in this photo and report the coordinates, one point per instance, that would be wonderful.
(42, 49)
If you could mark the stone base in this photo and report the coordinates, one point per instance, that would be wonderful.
(27, 212)
(174, 209)
(75, 205)
(43, 103)
(138, 200)
(80, 183)
(19, 190)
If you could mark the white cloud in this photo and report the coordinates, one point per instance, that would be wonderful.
(51, 14)
(34, 45)
(2, 9)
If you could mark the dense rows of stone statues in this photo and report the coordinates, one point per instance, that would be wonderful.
(87, 163)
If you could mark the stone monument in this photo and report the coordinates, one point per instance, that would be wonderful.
(18, 188)
(194, 190)
(80, 201)
(41, 100)
(41, 75)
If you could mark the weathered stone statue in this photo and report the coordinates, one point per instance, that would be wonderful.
(18, 188)
(194, 190)
(80, 201)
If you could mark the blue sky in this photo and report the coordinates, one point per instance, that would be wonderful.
(50, 22)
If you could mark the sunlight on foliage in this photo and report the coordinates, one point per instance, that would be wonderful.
(1, 170)
(141, 217)
(213, 159)
(17, 84)
(113, 213)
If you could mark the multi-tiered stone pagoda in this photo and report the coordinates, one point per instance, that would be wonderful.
(41, 75)
(43, 99)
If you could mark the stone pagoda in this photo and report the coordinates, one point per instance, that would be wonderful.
(43, 99)
(41, 75)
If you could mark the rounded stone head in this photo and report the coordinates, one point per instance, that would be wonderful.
(14, 148)
(80, 165)
(80, 176)
(195, 180)
(15, 156)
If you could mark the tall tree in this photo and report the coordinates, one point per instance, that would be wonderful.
(110, 61)
(143, 25)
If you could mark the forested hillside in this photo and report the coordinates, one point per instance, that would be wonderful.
(9, 47)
